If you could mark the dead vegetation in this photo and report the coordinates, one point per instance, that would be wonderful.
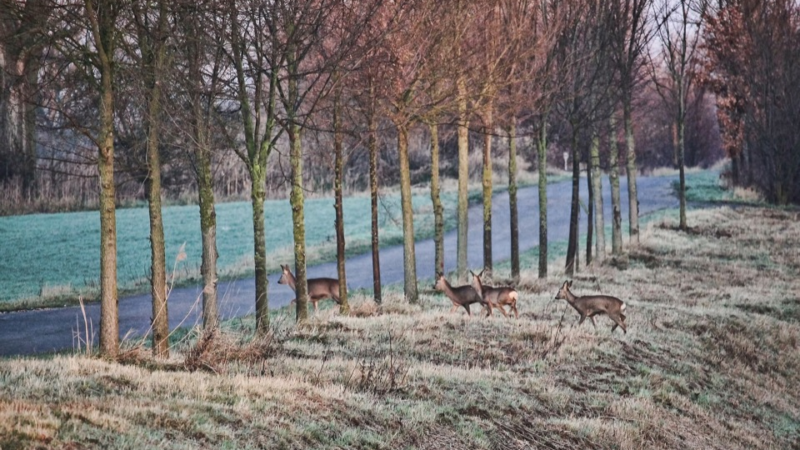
(710, 361)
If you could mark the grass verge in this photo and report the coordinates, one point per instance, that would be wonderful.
(710, 361)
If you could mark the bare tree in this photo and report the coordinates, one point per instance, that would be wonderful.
(255, 91)
(150, 18)
(679, 34)
(630, 38)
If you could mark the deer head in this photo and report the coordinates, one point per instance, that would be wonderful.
(286, 276)
(440, 282)
(563, 293)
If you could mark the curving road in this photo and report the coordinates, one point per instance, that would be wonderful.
(40, 331)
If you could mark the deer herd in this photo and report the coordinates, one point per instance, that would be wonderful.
(489, 297)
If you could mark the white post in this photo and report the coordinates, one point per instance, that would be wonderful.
(566, 157)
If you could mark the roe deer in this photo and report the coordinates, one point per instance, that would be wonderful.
(318, 288)
(592, 305)
(498, 296)
(461, 295)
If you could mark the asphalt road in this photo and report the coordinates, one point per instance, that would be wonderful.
(40, 331)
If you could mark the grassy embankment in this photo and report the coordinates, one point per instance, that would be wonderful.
(711, 360)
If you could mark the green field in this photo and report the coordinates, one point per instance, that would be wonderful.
(56, 255)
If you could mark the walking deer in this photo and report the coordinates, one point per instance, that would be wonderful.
(460, 296)
(318, 288)
(592, 305)
(498, 296)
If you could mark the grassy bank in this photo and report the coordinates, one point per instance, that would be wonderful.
(711, 360)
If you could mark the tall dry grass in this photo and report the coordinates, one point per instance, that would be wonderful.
(710, 361)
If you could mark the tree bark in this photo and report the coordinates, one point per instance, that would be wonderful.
(344, 305)
(153, 51)
(409, 259)
(597, 193)
(202, 152)
(541, 148)
(104, 31)
(613, 178)
(297, 197)
(487, 192)
(633, 199)
(512, 198)
(681, 125)
(373, 190)
(572, 244)
(208, 231)
(438, 208)
(463, 180)
(257, 196)
(589, 216)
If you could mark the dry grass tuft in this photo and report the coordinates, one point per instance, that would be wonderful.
(215, 351)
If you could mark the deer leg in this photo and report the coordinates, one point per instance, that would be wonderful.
(593, 322)
(516, 313)
(502, 310)
(469, 313)
(454, 308)
(619, 321)
(488, 307)
(583, 317)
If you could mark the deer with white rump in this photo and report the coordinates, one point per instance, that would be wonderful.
(318, 288)
(592, 305)
(498, 296)
(461, 296)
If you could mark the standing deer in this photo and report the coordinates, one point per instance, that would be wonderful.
(461, 295)
(592, 305)
(498, 296)
(318, 288)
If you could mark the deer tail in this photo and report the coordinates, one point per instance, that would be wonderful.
(623, 306)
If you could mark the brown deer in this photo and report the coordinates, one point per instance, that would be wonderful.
(498, 296)
(592, 305)
(318, 288)
(460, 296)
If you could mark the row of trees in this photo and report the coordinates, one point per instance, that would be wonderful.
(149, 84)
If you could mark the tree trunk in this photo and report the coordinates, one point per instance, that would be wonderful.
(572, 244)
(597, 193)
(487, 193)
(208, 231)
(512, 198)
(541, 148)
(633, 199)
(103, 23)
(298, 208)
(438, 208)
(373, 191)
(257, 196)
(463, 180)
(589, 216)
(158, 281)
(344, 306)
(409, 259)
(613, 178)
(681, 125)
(153, 59)
(202, 153)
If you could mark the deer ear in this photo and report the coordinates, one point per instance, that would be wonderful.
(569, 283)
(481, 274)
